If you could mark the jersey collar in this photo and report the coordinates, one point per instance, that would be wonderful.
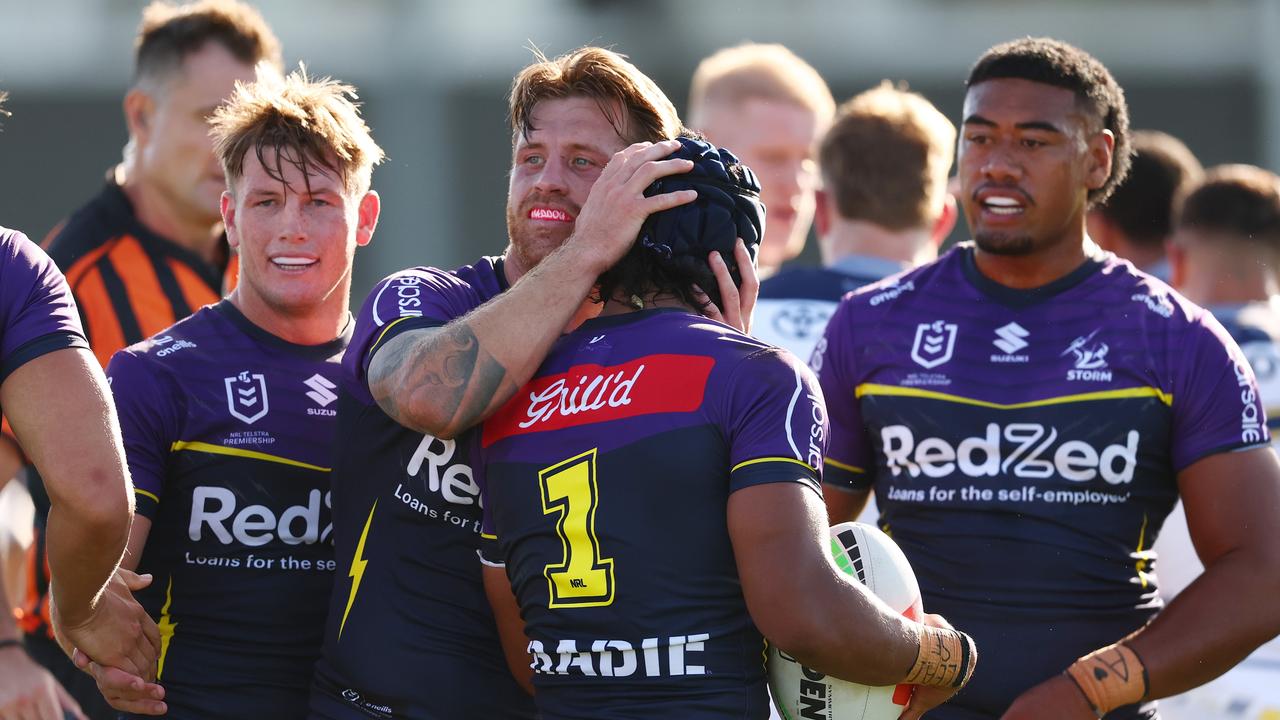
(1019, 298)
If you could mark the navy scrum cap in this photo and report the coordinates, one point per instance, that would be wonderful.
(728, 207)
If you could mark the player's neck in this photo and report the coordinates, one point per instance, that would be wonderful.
(160, 217)
(314, 325)
(1042, 265)
(847, 238)
(620, 305)
(1208, 287)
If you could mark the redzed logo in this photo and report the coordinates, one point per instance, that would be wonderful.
(593, 393)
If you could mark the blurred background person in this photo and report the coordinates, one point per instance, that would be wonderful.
(148, 249)
(1223, 255)
(767, 106)
(1135, 222)
(883, 207)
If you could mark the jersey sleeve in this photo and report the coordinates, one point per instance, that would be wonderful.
(776, 422)
(408, 300)
(849, 450)
(37, 313)
(149, 424)
(1216, 404)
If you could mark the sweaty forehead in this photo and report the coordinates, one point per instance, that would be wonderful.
(1014, 101)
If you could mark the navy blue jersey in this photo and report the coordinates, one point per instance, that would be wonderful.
(795, 305)
(228, 432)
(37, 314)
(607, 479)
(1024, 446)
(410, 633)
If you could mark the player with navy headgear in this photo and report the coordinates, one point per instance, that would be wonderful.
(652, 502)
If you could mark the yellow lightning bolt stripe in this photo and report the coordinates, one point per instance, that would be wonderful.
(357, 569)
(167, 627)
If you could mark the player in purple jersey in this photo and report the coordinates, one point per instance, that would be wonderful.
(227, 416)
(1028, 408)
(56, 398)
(435, 352)
(652, 497)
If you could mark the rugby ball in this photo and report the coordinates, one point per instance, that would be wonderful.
(870, 557)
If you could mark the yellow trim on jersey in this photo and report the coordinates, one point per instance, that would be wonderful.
(387, 329)
(487, 536)
(356, 573)
(167, 627)
(898, 391)
(196, 446)
(842, 466)
(745, 463)
(151, 495)
(1141, 565)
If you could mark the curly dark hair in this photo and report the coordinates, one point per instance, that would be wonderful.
(1053, 62)
(671, 254)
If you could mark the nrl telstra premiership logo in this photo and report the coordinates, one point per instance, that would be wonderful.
(934, 343)
(247, 396)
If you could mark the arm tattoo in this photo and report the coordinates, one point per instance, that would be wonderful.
(439, 380)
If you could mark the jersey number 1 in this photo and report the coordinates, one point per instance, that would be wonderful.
(583, 578)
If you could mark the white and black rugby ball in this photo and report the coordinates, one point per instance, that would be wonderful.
(870, 557)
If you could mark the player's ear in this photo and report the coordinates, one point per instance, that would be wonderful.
(1101, 148)
(139, 107)
(946, 221)
(367, 217)
(227, 205)
(822, 205)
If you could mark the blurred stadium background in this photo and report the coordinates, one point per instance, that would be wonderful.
(434, 75)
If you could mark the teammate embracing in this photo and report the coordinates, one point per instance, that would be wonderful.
(434, 353)
(1028, 408)
(228, 416)
(653, 503)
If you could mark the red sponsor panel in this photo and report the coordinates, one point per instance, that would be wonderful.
(594, 393)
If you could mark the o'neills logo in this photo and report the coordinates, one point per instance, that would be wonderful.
(594, 393)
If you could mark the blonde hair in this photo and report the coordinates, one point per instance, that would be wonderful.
(169, 33)
(304, 121)
(604, 76)
(755, 70)
(886, 158)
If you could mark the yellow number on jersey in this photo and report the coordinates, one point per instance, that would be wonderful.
(583, 578)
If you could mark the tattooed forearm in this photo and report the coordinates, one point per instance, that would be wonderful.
(439, 381)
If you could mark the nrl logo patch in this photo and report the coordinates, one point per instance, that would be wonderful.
(934, 344)
(247, 396)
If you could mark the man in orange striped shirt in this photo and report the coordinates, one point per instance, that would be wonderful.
(148, 249)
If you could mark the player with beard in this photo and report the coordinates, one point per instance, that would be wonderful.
(1030, 409)
(434, 353)
(652, 499)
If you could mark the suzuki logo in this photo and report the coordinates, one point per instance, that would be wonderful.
(934, 343)
(321, 390)
(1010, 338)
(247, 396)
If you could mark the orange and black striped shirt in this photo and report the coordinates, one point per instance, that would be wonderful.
(129, 283)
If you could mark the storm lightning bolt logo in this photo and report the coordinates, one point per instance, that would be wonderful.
(356, 573)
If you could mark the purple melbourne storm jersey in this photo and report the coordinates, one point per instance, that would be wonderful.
(410, 633)
(606, 483)
(1023, 446)
(228, 432)
(37, 314)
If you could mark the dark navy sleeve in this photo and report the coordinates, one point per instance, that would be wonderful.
(408, 300)
(1216, 403)
(776, 422)
(150, 423)
(849, 450)
(37, 313)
